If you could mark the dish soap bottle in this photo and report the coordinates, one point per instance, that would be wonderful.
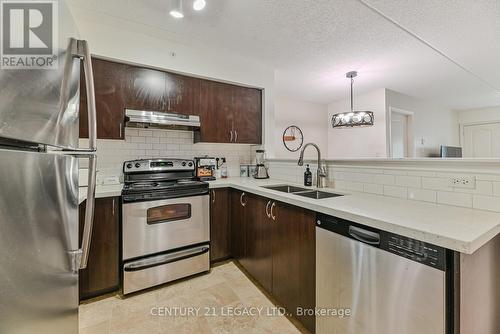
(308, 177)
(223, 169)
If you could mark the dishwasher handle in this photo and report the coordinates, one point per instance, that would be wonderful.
(369, 237)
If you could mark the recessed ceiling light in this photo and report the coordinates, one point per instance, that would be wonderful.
(176, 9)
(199, 4)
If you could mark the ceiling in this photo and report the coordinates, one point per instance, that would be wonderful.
(311, 44)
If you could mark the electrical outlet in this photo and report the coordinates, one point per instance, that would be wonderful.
(468, 182)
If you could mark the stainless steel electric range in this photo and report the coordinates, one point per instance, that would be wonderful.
(166, 227)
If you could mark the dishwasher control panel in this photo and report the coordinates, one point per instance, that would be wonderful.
(411, 249)
(419, 251)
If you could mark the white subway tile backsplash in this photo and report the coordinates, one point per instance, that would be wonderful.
(373, 188)
(455, 199)
(436, 183)
(419, 194)
(482, 187)
(419, 185)
(384, 179)
(394, 191)
(153, 143)
(486, 203)
(496, 188)
(409, 181)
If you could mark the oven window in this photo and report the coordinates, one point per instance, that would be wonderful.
(169, 213)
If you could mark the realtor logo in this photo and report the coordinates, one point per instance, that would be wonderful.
(29, 34)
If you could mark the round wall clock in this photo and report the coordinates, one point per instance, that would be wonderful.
(293, 138)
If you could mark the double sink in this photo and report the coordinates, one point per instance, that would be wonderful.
(304, 192)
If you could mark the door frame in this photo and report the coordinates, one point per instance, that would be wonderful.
(410, 141)
(462, 129)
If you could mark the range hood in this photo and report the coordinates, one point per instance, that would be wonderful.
(163, 120)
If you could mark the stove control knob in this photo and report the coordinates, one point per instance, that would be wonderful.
(190, 164)
(137, 165)
(183, 164)
(129, 166)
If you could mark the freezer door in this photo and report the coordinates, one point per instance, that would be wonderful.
(385, 293)
(41, 105)
(38, 236)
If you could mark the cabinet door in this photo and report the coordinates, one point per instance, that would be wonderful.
(294, 260)
(258, 259)
(237, 225)
(145, 89)
(182, 94)
(219, 225)
(109, 98)
(216, 116)
(102, 273)
(247, 114)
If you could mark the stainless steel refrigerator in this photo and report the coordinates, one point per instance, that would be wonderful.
(40, 252)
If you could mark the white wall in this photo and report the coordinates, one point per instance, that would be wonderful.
(309, 117)
(125, 40)
(432, 125)
(364, 142)
(483, 115)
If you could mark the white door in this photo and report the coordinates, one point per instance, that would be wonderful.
(482, 140)
(399, 135)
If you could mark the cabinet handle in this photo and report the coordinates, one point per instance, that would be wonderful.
(231, 139)
(235, 136)
(272, 215)
(241, 199)
(267, 209)
(121, 126)
(213, 196)
(114, 200)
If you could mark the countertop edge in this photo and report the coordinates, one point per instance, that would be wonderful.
(462, 246)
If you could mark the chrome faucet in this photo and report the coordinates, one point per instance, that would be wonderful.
(321, 172)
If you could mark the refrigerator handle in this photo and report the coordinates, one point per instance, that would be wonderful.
(89, 212)
(84, 53)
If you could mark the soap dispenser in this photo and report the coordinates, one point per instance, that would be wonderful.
(308, 177)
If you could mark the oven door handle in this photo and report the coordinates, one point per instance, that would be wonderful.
(165, 259)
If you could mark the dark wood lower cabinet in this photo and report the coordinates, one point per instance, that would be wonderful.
(237, 225)
(258, 235)
(276, 244)
(102, 273)
(219, 225)
(294, 258)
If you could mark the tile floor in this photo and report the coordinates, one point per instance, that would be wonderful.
(225, 289)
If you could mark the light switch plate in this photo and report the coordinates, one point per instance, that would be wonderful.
(468, 182)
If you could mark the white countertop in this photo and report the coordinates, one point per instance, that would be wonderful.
(459, 229)
(101, 191)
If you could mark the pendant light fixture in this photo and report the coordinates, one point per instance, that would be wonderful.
(176, 9)
(352, 118)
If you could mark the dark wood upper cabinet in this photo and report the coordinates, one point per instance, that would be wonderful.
(247, 110)
(145, 89)
(182, 94)
(229, 114)
(109, 82)
(102, 273)
(219, 224)
(215, 112)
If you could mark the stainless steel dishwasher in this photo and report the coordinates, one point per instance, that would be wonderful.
(390, 284)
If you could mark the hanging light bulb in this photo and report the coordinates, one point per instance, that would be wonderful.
(176, 9)
(199, 4)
